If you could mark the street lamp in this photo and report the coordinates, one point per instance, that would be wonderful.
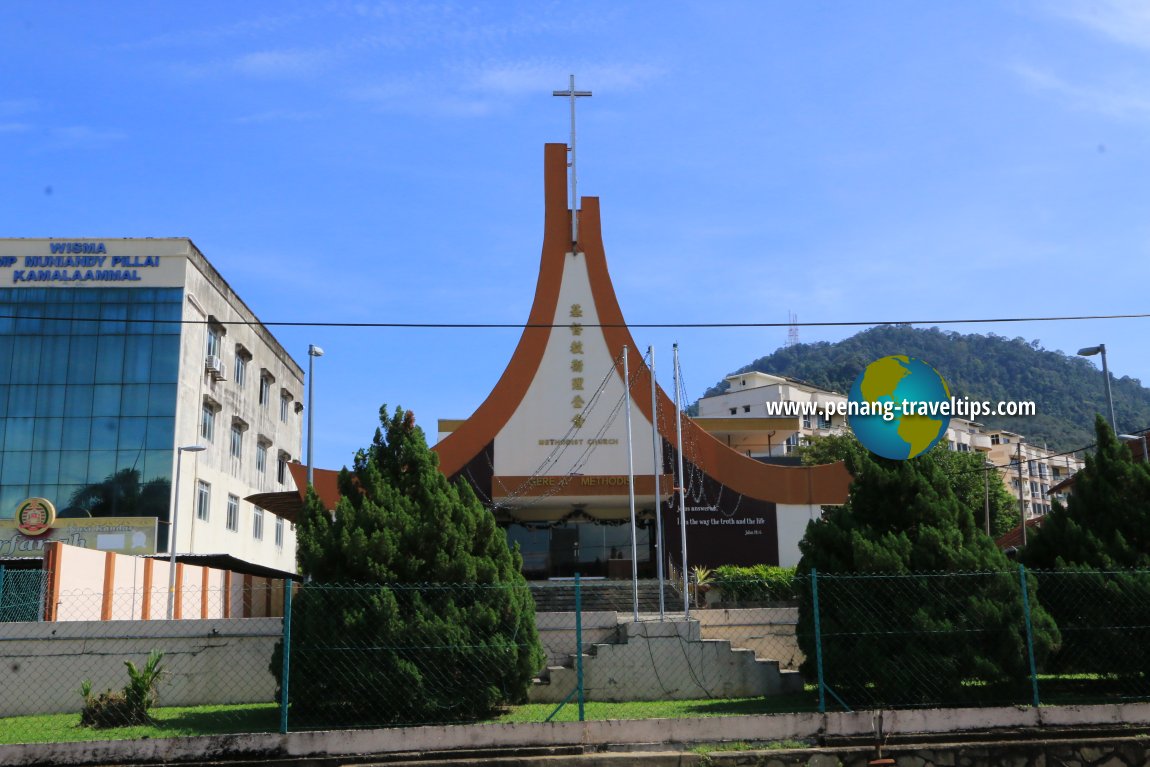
(172, 527)
(313, 351)
(1136, 438)
(1090, 351)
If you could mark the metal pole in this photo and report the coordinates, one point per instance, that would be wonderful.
(285, 676)
(631, 490)
(1109, 396)
(818, 640)
(313, 351)
(173, 528)
(986, 483)
(1029, 633)
(682, 487)
(657, 469)
(579, 641)
(1021, 502)
(172, 538)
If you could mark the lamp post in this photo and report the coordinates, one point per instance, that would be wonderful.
(1090, 351)
(172, 527)
(313, 351)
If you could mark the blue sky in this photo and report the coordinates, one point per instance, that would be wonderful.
(374, 162)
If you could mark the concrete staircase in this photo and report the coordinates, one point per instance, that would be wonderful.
(602, 595)
(667, 660)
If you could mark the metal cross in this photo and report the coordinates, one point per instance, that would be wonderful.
(573, 94)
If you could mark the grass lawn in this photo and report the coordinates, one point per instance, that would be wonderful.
(666, 709)
(264, 717)
(170, 723)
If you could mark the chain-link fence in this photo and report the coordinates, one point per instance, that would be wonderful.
(21, 594)
(385, 655)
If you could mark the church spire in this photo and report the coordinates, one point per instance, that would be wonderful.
(572, 94)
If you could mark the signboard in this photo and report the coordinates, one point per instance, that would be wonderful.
(123, 535)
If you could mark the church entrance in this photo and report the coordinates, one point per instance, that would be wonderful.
(594, 549)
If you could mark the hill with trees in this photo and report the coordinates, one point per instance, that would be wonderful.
(1067, 390)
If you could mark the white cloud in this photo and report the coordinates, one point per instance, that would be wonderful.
(272, 64)
(517, 78)
(84, 136)
(1126, 21)
(275, 116)
(1122, 100)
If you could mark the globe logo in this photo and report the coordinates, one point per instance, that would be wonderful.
(898, 407)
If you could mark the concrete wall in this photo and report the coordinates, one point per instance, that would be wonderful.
(769, 631)
(205, 661)
(89, 585)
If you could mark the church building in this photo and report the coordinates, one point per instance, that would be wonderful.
(547, 449)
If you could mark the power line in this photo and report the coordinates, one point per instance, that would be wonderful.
(654, 325)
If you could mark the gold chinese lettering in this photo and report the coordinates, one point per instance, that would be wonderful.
(576, 310)
(576, 384)
(577, 420)
(576, 329)
(576, 366)
(577, 402)
(576, 347)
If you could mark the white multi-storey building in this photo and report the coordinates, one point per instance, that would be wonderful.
(119, 354)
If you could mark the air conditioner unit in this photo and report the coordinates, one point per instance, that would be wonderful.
(215, 366)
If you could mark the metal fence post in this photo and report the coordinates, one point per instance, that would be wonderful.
(579, 643)
(818, 640)
(286, 673)
(1029, 632)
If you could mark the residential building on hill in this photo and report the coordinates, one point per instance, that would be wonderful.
(748, 394)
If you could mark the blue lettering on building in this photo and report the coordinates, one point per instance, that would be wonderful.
(79, 262)
(77, 247)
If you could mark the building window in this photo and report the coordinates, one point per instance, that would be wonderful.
(265, 388)
(261, 457)
(734, 411)
(285, 403)
(806, 421)
(237, 441)
(281, 468)
(233, 521)
(214, 335)
(203, 500)
(208, 422)
(257, 523)
(279, 532)
(824, 422)
(995, 439)
(241, 368)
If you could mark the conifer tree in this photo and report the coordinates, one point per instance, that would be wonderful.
(416, 610)
(1092, 546)
(917, 601)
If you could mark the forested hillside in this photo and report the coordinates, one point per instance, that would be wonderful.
(1068, 390)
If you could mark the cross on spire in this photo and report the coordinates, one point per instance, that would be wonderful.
(573, 94)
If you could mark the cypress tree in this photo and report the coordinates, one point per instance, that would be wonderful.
(416, 608)
(1096, 549)
(918, 606)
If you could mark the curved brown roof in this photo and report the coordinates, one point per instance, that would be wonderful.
(789, 485)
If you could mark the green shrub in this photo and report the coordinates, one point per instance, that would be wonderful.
(416, 610)
(126, 707)
(754, 584)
